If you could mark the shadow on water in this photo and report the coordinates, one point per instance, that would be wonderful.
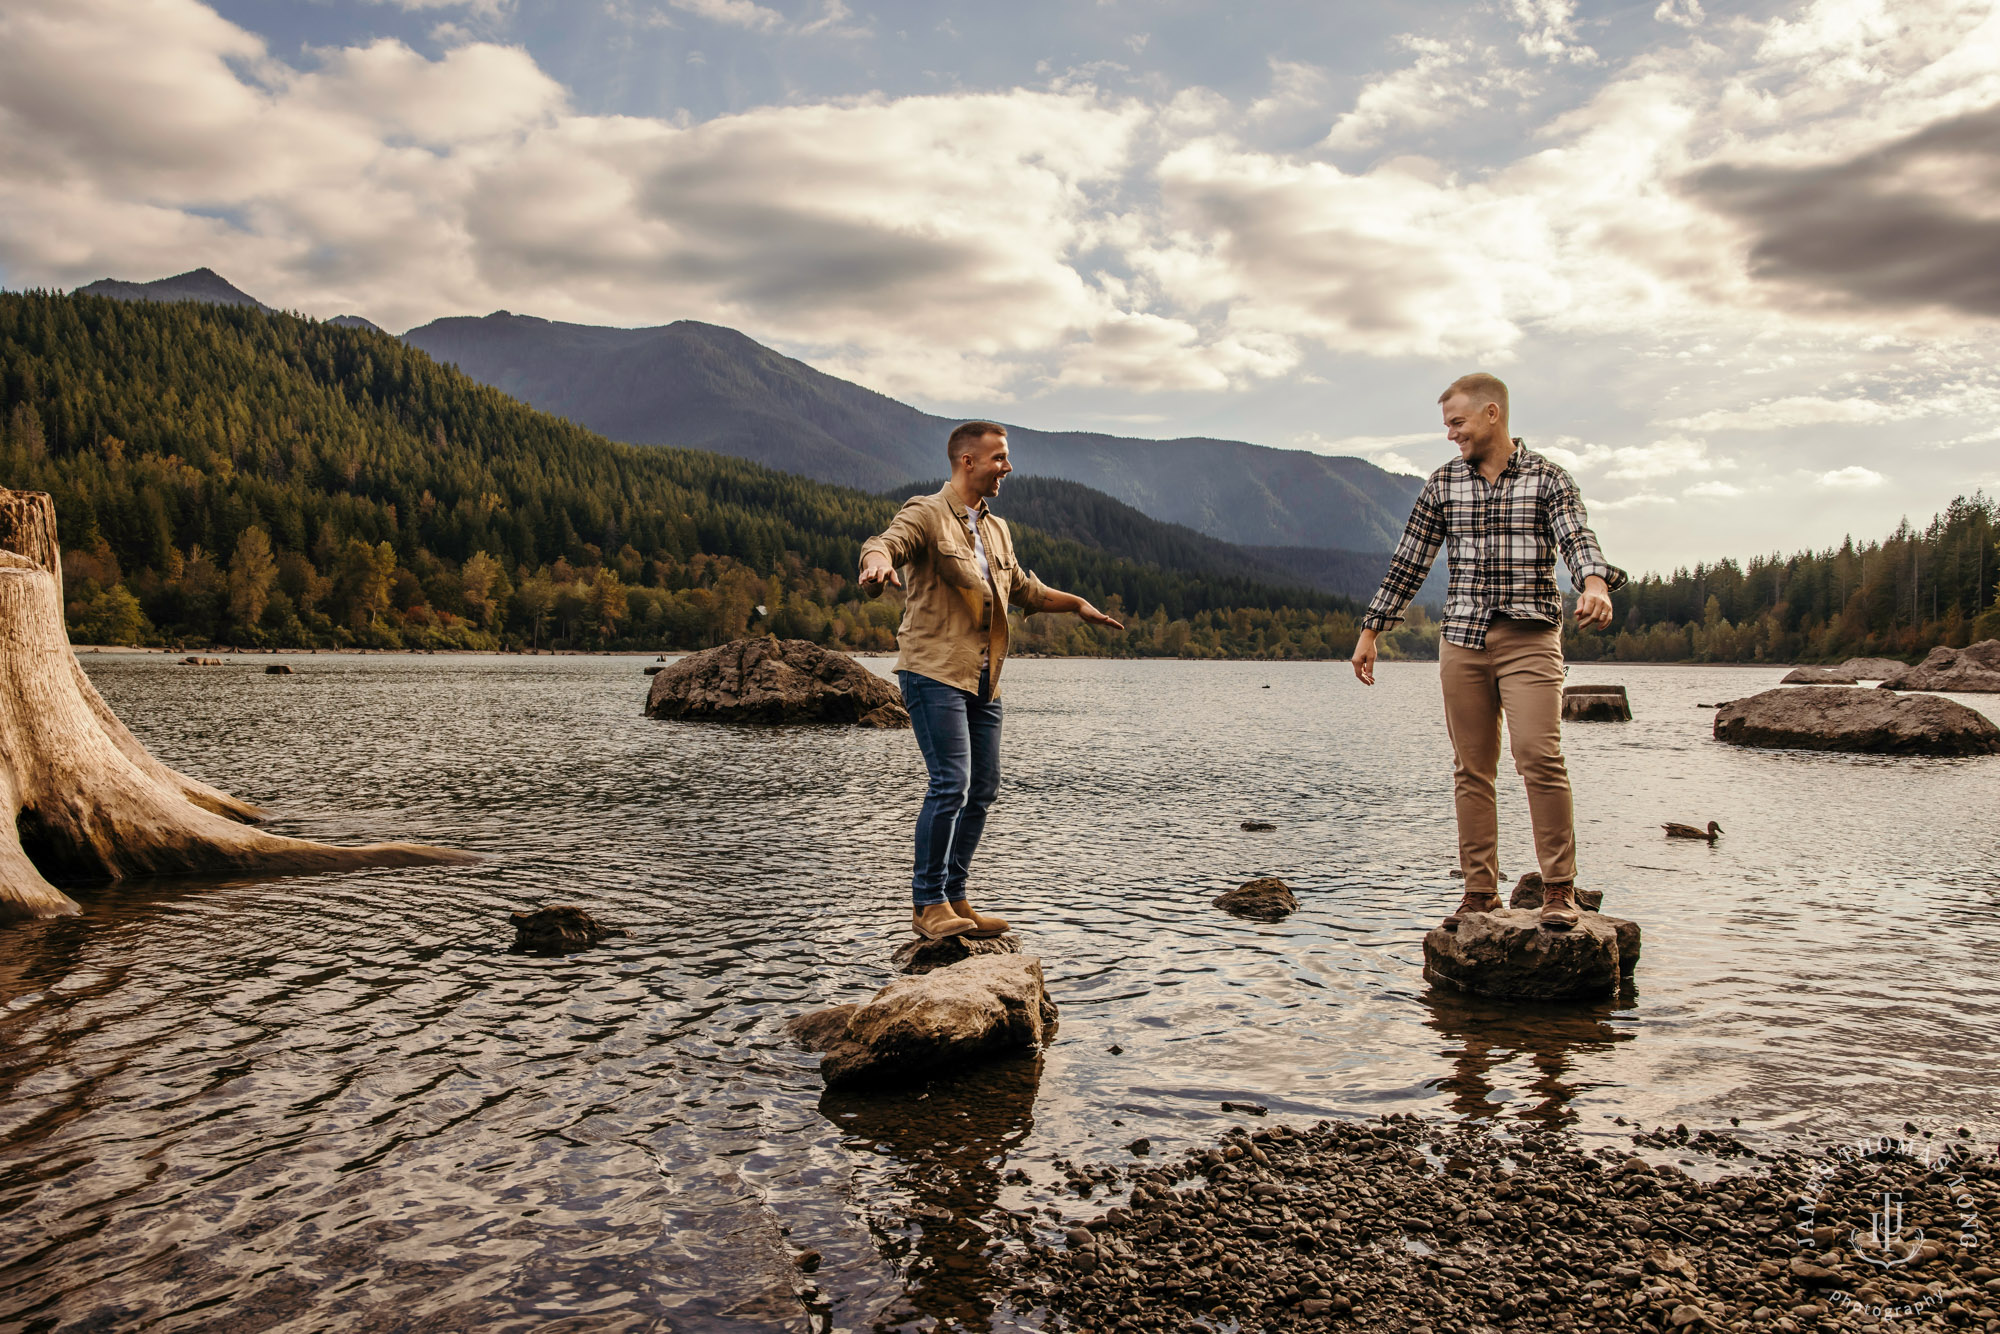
(1485, 1036)
(944, 1148)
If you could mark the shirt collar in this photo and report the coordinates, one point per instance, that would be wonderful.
(958, 507)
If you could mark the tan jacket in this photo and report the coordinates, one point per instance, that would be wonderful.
(950, 614)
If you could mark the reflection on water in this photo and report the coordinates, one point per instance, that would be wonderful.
(338, 1103)
(943, 1148)
(1482, 1038)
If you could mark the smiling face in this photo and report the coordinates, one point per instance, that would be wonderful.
(1478, 429)
(981, 465)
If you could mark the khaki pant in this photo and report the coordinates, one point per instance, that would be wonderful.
(1519, 674)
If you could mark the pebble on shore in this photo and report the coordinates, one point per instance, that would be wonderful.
(1400, 1225)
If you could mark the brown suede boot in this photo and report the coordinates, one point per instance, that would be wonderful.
(1559, 906)
(984, 927)
(938, 921)
(1471, 903)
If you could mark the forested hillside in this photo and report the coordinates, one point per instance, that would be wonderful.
(224, 475)
(1898, 597)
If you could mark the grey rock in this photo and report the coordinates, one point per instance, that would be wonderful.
(1973, 670)
(559, 928)
(1265, 899)
(922, 956)
(1819, 676)
(1596, 704)
(1871, 669)
(976, 1008)
(278, 669)
(774, 681)
(1508, 955)
(1875, 722)
(1528, 894)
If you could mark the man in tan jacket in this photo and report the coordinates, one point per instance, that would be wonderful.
(962, 576)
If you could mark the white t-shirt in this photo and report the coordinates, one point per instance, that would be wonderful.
(978, 547)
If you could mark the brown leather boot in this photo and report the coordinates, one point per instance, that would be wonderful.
(984, 927)
(1559, 906)
(1472, 902)
(938, 921)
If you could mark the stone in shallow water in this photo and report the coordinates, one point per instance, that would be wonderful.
(1265, 899)
(1596, 704)
(1974, 669)
(971, 1010)
(558, 929)
(774, 681)
(1874, 722)
(921, 956)
(1819, 676)
(1509, 956)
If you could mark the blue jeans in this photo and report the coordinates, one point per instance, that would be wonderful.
(959, 735)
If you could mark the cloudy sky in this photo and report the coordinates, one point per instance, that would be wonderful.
(1739, 262)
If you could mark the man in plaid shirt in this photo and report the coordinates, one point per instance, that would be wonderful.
(1503, 512)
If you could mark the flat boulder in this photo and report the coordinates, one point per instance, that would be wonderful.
(774, 681)
(927, 956)
(1596, 704)
(1870, 669)
(1819, 676)
(1507, 955)
(560, 928)
(1265, 899)
(1869, 722)
(1972, 670)
(975, 1009)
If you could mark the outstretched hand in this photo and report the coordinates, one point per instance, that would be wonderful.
(1096, 617)
(877, 571)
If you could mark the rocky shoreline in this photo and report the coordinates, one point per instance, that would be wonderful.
(1413, 1227)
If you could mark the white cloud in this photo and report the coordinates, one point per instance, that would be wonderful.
(733, 13)
(1680, 13)
(1443, 84)
(1854, 478)
(490, 7)
(1800, 410)
(1669, 457)
(1549, 30)
(1713, 490)
(1641, 500)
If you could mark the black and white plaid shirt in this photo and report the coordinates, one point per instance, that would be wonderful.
(1501, 541)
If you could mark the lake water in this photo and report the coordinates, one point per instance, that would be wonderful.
(338, 1104)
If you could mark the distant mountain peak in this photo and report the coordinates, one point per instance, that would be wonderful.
(357, 322)
(203, 284)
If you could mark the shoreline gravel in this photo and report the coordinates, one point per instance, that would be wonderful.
(1407, 1226)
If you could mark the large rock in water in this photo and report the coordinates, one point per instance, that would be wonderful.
(1870, 669)
(1974, 669)
(1872, 722)
(927, 956)
(1507, 955)
(1819, 676)
(1265, 899)
(976, 1008)
(775, 681)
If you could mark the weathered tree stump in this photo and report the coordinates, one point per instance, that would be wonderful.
(83, 799)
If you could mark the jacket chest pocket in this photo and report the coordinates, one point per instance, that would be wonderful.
(955, 564)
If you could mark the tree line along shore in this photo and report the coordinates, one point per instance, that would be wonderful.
(223, 475)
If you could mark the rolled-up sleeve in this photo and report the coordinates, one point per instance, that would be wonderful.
(1569, 523)
(903, 538)
(1028, 592)
(1411, 563)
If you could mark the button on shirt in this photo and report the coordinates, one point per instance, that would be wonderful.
(1501, 539)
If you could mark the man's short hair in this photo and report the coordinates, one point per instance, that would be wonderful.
(1480, 387)
(970, 431)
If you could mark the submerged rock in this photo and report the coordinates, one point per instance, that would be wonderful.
(558, 929)
(1507, 955)
(977, 1008)
(278, 669)
(922, 956)
(1265, 899)
(1873, 722)
(1258, 827)
(1819, 676)
(1973, 670)
(774, 681)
